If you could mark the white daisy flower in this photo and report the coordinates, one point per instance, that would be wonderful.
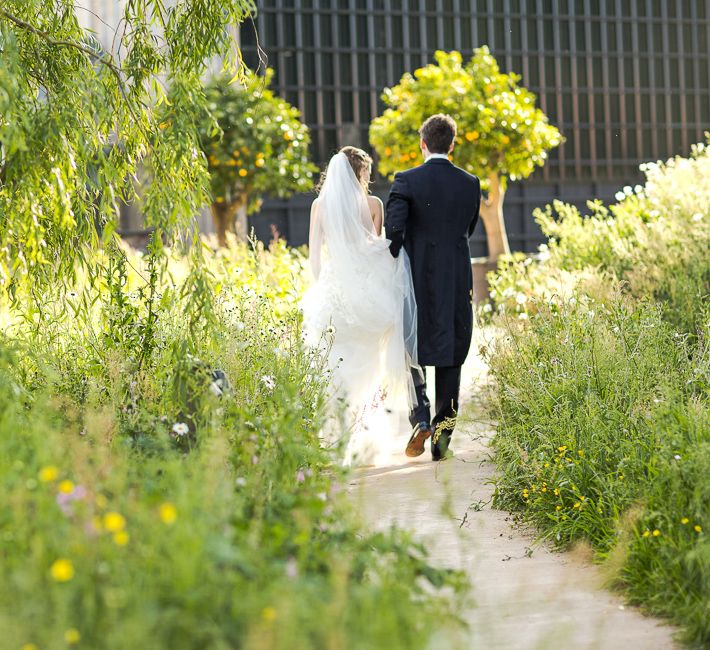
(180, 429)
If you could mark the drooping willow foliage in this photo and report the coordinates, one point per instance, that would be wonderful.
(78, 123)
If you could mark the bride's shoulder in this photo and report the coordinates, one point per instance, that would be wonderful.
(374, 201)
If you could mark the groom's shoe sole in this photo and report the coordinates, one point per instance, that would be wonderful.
(415, 446)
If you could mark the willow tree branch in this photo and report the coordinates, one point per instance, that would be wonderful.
(107, 62)
(62, 43)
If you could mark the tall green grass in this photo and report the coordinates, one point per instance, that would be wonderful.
(602, 392)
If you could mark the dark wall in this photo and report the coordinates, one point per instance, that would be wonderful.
(290, 217)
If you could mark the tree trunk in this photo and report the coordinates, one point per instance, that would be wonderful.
(230, 217)
(492, 215)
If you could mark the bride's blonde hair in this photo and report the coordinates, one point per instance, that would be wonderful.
(359, 161)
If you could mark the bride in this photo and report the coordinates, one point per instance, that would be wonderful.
(361, 304)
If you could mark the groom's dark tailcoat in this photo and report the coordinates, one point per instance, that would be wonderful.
(432, 211)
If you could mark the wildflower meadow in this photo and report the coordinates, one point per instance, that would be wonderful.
(173, 493)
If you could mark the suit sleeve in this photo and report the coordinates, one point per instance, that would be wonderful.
(476, 210)
(397, 214)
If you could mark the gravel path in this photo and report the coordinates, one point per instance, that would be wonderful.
(525, 595)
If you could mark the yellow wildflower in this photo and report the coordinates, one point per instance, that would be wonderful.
(656, 533)
(167, 512)
(646, 533)
(29, 646)
(621, 477)
(48, 474)
(388, 151)
(562, 448)
(259, 162)
(576, 505)
(505, 139)
(547, 464)
(66, 487)
(582, 497)
(558, 508)
(557, 492)
(698, 528)
(113, 522)
(472, 135)
(268, 614)
(62, 570)
(684, 521)
(580, 452)
(121, 538)
(72, 636)
(243, 172)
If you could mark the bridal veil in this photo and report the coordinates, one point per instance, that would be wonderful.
(362, 296)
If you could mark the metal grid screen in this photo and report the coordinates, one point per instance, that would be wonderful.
(624, 80)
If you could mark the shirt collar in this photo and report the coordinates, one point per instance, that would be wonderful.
(433, 156)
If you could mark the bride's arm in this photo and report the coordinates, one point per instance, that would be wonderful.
(377, 211)
(315, 239)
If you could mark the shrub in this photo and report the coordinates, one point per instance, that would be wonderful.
(655, 240)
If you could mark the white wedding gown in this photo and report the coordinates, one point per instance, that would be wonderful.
(361, 311)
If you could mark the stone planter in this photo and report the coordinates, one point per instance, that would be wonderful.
(480, 267)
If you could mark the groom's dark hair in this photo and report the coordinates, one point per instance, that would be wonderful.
(438, 132)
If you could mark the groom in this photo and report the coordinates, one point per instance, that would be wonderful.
(431, 211)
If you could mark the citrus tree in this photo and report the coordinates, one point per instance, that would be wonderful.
(255, 144)
(501, 133)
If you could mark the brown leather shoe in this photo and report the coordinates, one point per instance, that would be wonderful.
(415, 446)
